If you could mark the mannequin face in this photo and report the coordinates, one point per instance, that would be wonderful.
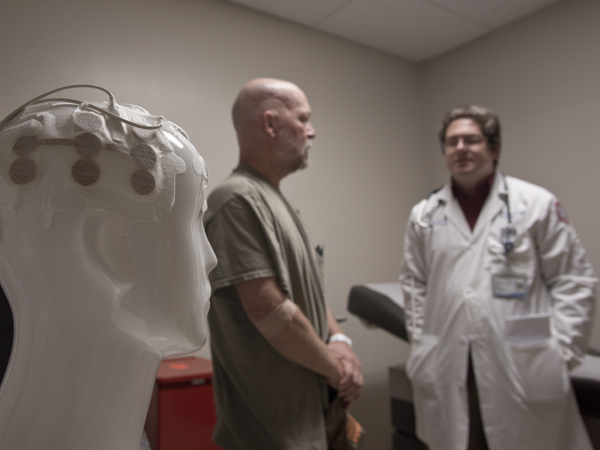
(113, 258)
(165, 267)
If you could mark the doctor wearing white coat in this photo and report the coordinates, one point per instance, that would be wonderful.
(499, 297)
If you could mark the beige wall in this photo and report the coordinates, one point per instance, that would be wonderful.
(542, 76)
(186, 60)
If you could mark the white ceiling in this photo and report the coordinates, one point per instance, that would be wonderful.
(414, 29)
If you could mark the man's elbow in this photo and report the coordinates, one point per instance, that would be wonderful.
(277, 320)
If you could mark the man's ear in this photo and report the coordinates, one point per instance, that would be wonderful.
(270, 119)
(109, 250)
(496, 154)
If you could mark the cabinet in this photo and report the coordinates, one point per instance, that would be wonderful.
(182, 414)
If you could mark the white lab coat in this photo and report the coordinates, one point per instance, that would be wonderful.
(521, 370)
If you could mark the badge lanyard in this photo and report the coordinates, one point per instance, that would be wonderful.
(508, 285)
(509, 232)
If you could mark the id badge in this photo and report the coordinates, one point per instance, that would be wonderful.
(509, 286)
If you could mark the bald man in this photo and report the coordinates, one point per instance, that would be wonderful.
(283, 369)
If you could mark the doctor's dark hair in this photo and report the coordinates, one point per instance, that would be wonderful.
(486, 118)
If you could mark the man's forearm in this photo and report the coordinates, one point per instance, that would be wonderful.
(299, 343)
(291, 335)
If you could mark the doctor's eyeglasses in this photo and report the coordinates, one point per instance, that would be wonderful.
(469, 140)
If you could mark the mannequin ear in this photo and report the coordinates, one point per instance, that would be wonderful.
(108, 249)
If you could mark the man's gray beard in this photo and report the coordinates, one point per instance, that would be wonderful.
(293, 153)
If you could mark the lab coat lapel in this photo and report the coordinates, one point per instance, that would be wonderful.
(454, 212)
(492, 206)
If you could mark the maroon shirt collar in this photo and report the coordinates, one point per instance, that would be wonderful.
(472, 205)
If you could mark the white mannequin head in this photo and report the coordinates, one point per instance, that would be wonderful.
(105, 264)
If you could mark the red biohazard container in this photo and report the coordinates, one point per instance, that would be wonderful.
(182, 414)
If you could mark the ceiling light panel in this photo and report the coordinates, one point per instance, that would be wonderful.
(413, 29)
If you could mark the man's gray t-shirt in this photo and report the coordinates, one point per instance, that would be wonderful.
(263, 400)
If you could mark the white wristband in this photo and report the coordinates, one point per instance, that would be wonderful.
(339, 337)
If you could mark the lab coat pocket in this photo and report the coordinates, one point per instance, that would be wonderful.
(421, 366)
(541, 371)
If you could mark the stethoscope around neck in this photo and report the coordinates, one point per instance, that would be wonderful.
(507, 233)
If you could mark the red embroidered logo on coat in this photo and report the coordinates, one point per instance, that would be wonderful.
(561, 213)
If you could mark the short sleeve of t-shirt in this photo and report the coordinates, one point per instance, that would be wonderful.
(240, 244)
